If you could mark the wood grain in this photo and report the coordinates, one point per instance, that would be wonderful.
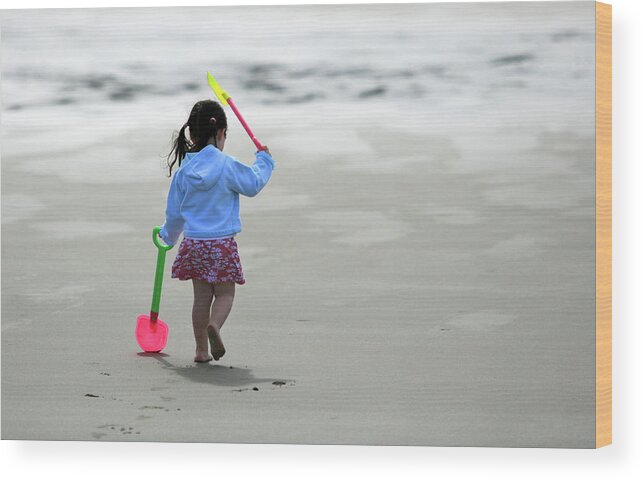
(428, 286)
(603, 224)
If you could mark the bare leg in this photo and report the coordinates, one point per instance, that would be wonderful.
(223, 298)
(203, 294)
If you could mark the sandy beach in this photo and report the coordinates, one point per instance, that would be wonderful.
(426, 280)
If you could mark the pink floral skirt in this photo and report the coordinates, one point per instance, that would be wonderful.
(213, 261)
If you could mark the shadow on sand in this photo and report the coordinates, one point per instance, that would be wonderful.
(216, 375)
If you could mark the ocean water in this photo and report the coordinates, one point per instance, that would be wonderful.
(441, 66)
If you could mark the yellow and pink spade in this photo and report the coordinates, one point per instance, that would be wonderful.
(152, 332)
(225, 100)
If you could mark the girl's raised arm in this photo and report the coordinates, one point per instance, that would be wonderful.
(248, 180)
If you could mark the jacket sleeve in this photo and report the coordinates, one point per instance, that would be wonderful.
(248, 180)
(173, 225)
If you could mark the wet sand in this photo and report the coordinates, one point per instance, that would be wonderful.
(398, 293)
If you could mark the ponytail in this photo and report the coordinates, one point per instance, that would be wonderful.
(206, 119)
(179, 148)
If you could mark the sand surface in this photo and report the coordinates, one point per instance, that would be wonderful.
(407, 307)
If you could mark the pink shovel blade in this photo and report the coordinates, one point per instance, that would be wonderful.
(151, 336)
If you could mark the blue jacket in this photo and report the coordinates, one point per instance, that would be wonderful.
(203, 200)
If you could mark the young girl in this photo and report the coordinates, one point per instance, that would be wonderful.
(203, 203)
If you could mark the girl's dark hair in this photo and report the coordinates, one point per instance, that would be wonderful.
(206, 119)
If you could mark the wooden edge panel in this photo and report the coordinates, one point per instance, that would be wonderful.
(603, 224)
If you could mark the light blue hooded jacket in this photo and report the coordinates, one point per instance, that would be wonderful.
(203, 201)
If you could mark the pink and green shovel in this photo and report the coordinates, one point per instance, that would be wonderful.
(225, 100)
(151, 331)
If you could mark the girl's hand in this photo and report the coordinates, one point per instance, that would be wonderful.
(265, 149)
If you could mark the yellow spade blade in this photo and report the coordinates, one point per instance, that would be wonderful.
(221, 94)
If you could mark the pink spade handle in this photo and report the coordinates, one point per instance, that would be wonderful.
(245, 125)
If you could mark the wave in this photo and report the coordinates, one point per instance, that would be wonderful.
(518, 59)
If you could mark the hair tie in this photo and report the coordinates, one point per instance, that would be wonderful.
(185, 125)
(213, 121)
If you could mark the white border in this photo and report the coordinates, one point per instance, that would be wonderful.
(155, 3)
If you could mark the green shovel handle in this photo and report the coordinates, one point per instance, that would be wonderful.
(155, 239)
(160, 267)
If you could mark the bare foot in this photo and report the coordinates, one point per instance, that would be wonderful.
(216, 344)
(202, 357)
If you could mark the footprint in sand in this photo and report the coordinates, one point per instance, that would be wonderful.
(116, 429)
(276, 383)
